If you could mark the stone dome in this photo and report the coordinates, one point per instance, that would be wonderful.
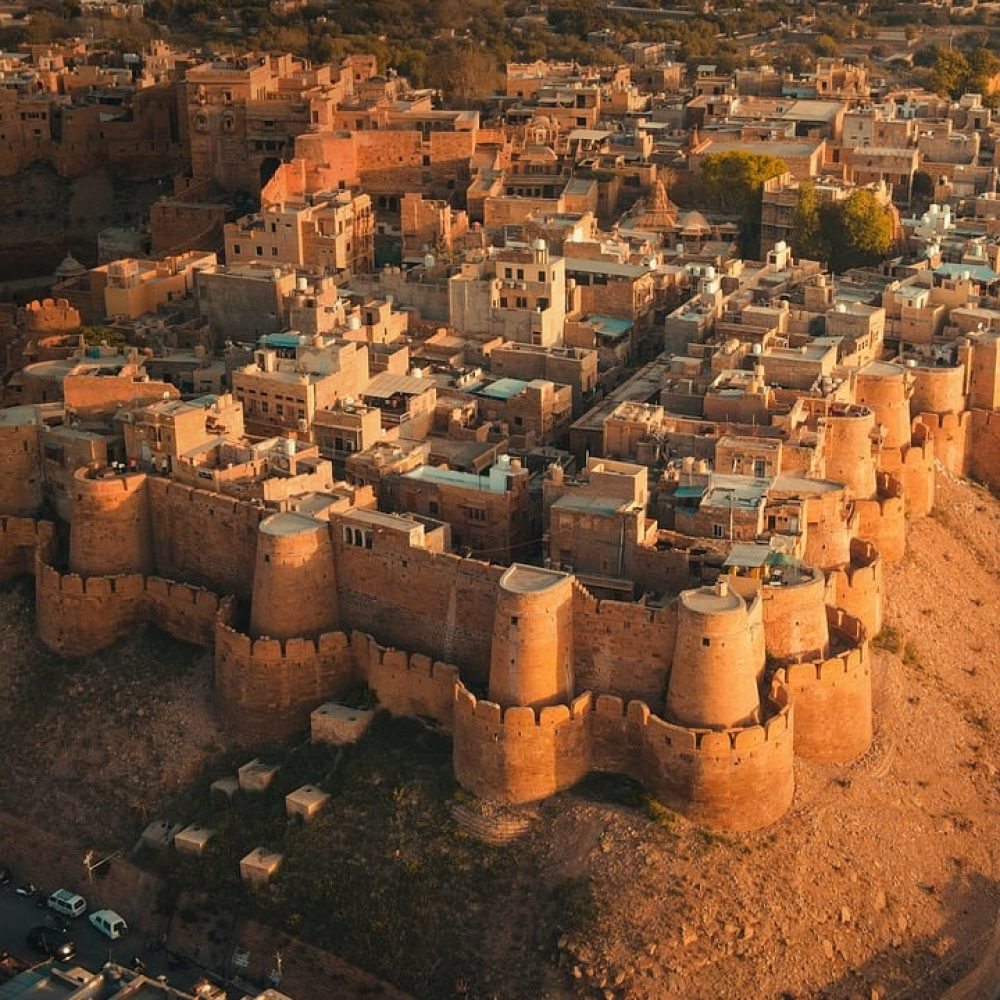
(70, 267)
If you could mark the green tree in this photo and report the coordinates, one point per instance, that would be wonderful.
(866, 227)
(949, 73)
(807, 238)
(733, 182)
(824, 45)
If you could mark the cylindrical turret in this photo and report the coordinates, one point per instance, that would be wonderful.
(294, 580)
(713, 680)
(795, 625)
(847, 446)
(885, 388)
(531, 661)
(937, 390)
(110, 528)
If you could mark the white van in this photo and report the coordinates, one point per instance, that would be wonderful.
(67, 903)
(109, 923)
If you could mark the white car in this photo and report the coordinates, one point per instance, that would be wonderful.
(109, 923)
(66, 903)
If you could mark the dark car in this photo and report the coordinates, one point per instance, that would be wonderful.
(52, 941)
(6, 875)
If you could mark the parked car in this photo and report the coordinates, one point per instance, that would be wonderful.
(52, 941)
(6, 875)
(67, 903)
(109, 923)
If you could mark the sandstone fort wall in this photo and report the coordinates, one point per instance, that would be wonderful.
(202, 537)
(738, 779)
(882, 520)
(20, 539)
(407, 684)
(265, 688)
(111, 532)
(521, 754)
(20, 469)
(77, 616)
(437, 604)
(857, 587)
(950, 433)
(833, 698)
(626, 648)
(984, 462)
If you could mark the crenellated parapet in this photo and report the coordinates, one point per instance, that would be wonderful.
(882, 519)
(520, 754)
(833, 697)
(951, 436)
(79, 615)
(266, 688)
(856, 588)
(20, 539)
(735, 779)
(407, 684)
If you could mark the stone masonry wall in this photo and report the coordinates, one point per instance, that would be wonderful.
(20, 539)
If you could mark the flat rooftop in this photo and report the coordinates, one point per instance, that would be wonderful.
(502, 388)
(521, 579)
(449, 477)
(290, 523)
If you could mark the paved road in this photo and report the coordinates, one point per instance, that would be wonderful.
(18, 915)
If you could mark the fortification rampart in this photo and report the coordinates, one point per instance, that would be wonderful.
(434, 603)
(951, 435)
(203, 537)
(833, 697)
(984, 451)
(20, 539)
(886, 391)
(938, 390)
(882, 520)
(521, 754)
(111, 532)
(266, 688)
(847, 445)
(794, 615)
(738, 779)
(20, 467)
(627, 648)
(77, 615)
(857, 587)
(407, 684)
(913, 466)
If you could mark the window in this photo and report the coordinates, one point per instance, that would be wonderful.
(475, 514)
(236, 249)
(717, 531)
(706, 641)
(433, 508)
(260, 251)
(520, 274)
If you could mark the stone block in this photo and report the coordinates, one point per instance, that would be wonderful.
(256, 776)
(305, 801)
(159, 834)
(225, 786)
(338, 724)
(193, 839)
(259, 866)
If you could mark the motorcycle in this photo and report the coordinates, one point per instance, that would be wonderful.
(27, 889)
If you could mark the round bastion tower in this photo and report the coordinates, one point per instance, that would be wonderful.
(294, 580)
(713, 680)
(531, 658)
(110, 530)
(886, 389)
(847, 445)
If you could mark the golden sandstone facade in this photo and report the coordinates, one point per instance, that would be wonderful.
(704, 699)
